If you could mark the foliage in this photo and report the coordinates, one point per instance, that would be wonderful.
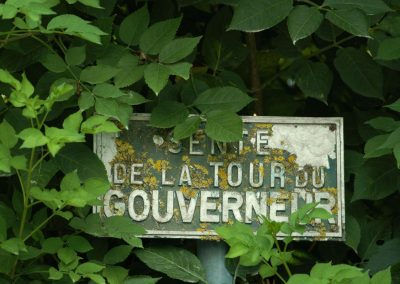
(73, 68)
(263, 251)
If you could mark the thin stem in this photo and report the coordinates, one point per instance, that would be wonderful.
(281, 278)
(283, 259)
(218, 60)
(236, 272)
(40, 160)
(254, 74)
(34, 203)
(41, 224)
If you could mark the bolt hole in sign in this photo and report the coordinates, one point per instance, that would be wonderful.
(186, 189)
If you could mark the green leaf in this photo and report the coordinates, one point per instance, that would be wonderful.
(86, 101)
(237, 250)
(9, 79)
(158, 35)
(57, 138)
(303, 21)
(377, 179)
(134, 25)
(3, 229)
(98, 74)
(181, 69)
(141, 279)
(178, 49)
(89, 267)
(267, 271)
(91, 3)
(384, 256)
(129, 76)
(14, 246)
(107, 91)
(177, 263)
(353, 232)
(54, 274)
(130, 72)
(117, 254)
(115, 274)
(7, 135)
(303, 278)
(74, 25)
(392, 140)
(386, 124)
(352, 21)
(222, 98)
(315, 80)
(5, 159)
(32, 137)
(373, 148)
(82, 158)
(224, 126)
(156, 76)
(112, 108)
(18, 162)
(73, 121)
(382, 277)
(396, 152)
(52, 245)
(395, 106)
(75, 55)
(319, 213)
(359, 72)
(187, 127)
(96, 278)
(53, 62)
(132, 98)
(97, 124)
(168, 114)
(370, 7)
(258, 15)
(79, 244)
(389, 49)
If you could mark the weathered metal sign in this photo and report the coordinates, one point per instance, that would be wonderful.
(186, 189)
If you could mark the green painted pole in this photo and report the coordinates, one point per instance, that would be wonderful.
(212, 256)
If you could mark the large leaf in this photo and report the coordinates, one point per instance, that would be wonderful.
(177, 263)
(133, 26)
(224, 98)
(168, 114)
(158, 35)
(385, 255)
(117, 254)
(156, 76)
(258, 15)
(224, 126)
(74, 25)
(377, 179)
(187, 128)
(178, 49)
(315, 80)
(360, 72)
(98, 74)
(80, 157)
(112, 108)
(389, 49)
(303, 21)
(353, 232)
(351, 20)
(370, 7)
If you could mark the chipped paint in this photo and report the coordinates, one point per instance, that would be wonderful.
(298, 160)
(312, 144)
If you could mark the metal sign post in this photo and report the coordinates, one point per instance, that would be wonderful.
(185, 189)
